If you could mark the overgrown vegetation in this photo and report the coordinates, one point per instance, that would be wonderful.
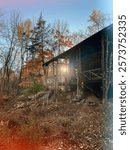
(58, 125)
(35, 88)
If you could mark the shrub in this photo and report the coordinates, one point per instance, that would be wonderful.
(36, 87)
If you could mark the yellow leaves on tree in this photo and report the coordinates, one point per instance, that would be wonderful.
(28, 27)
(97, 21)
(24, 29)
(20, 30)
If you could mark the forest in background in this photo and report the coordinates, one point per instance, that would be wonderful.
(26, 44)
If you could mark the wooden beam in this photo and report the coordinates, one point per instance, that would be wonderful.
(78, 71)
(46, 76)
(103, 68)
(106, 74)
(56, 79)
(66, 74)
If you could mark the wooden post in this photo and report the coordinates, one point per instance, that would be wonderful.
(66, 74)
(106, 73)
(53, 71)
(46, 75)
(56, 77)
(103, 69)
(78, 71)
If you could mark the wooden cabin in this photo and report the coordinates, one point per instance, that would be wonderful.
(86, 66)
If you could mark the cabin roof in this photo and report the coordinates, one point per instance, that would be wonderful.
(108, 30)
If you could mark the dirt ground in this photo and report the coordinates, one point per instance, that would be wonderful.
(34, 124)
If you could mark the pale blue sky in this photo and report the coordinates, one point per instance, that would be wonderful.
(75, 12)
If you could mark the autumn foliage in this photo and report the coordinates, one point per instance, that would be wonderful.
(33, 70)
(63, 40)
(24, 28)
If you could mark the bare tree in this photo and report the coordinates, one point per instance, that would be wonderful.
(1, 27)
(78, 36)
(62, 36)
(23, 33)
(1, 21)
(10, 49)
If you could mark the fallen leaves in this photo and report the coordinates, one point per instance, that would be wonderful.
(59, 125)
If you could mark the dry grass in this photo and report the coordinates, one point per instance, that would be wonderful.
(60, 125)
